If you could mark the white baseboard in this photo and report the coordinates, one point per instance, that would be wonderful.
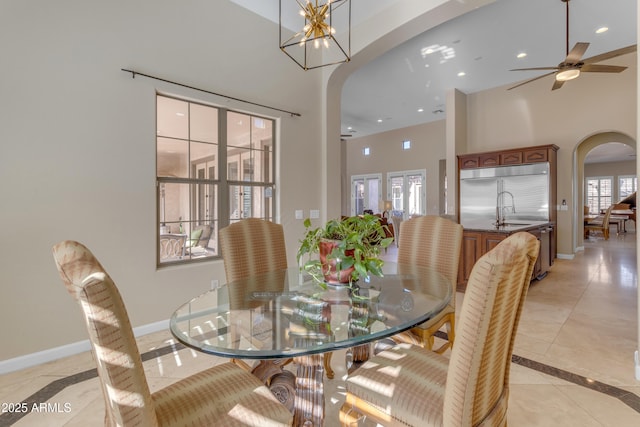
(566, 256)
(33, 359)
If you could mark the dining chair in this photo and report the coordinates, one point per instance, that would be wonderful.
(434, 242)
(251, 247)
(396, 220)
(600, 226)
(222, 395)
(409, 385)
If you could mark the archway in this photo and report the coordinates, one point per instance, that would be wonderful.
(579, 155)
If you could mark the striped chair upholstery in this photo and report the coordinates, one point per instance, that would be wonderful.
(435, 242)
(221, 395)
(408, 385)
(251, 247)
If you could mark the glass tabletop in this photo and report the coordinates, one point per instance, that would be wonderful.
(285, 313)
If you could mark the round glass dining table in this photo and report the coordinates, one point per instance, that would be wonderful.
(285, 314)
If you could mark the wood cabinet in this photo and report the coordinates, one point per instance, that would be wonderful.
(477, 243)
(519, 156)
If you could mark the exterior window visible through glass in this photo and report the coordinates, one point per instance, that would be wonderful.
(599, 192)
(627, 185)
(193, 179)
(407, 192)
(366, 193)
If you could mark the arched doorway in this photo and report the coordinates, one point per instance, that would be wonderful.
(580, 154)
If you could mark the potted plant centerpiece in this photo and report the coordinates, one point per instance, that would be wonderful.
(347, 249)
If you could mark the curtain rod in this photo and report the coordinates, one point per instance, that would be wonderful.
(136, 73)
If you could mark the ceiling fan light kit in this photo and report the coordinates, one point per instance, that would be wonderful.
(321, 32)
(573, 64)
(567, 75)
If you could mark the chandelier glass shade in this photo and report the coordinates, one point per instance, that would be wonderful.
(316, 33)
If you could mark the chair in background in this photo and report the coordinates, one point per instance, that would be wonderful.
(198, 241)
(251, 247)
(435, 242)
(599, 226)
(192, 401)
(408, 385)
(396, 220)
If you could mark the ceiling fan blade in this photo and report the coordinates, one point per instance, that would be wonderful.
(557, 84)
(598, 68)
(531, 80)
(611, 54)
(536, 68)
(576, 53)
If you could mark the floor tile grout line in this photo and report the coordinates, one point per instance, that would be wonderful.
(47, 392)
(628, 398)
(58, 385)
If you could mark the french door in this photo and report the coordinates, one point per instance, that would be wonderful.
(407, 191)
(366, 193)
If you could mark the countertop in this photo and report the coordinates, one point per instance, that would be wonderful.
(509, 227)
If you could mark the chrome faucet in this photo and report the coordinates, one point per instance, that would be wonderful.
(500, 215)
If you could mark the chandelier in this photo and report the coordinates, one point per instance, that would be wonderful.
(323, 38)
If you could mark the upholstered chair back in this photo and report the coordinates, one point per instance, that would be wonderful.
(113, 344)
(251, 247)
(477, 380)
(432, 241)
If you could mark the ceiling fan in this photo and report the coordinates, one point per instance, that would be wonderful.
(573, 64)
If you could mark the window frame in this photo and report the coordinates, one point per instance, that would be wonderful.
(220, 184)
(600, 196)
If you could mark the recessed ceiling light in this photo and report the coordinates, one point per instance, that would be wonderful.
(180, 114)
(461, 74)
(602, 30)
(379, 120)
(420, 110)
(521, 55)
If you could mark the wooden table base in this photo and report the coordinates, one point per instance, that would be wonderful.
(302, 393)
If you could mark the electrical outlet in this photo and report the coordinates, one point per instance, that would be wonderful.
(215, 284)
(299, 214)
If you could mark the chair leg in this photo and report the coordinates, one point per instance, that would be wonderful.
(348, 416)
(327, 365)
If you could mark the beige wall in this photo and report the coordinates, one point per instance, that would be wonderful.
(77, 151)
(535, 115)
(531, 115)
(387, 155)
(77, 146)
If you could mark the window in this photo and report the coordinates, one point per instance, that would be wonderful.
(366, 193)
(599, 192)
(627, 185)
(214, 166)
(407, 192)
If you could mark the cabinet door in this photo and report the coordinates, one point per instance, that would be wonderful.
(489, 159)
(469, 162)
(471, 251)
(537, 269)
(511, 158)
(491, 240)
(535, 155)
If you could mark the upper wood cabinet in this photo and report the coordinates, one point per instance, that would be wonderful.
(519, 156)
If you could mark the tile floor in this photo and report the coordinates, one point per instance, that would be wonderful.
(573, 365)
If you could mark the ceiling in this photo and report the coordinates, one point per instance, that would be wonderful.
(388, 92)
